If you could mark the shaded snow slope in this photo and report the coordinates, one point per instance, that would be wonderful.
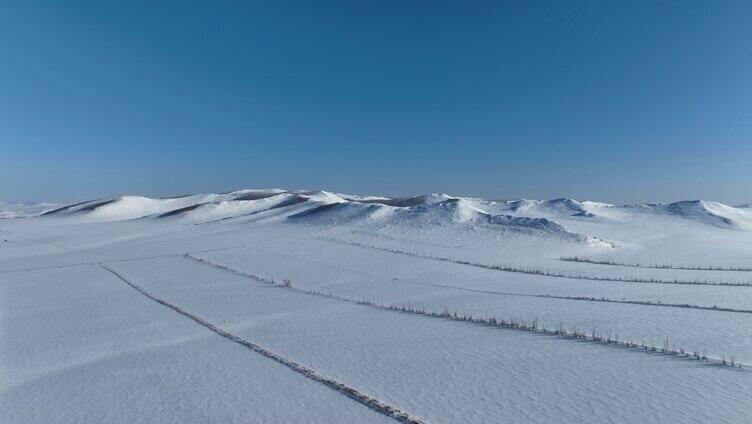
(426, 199)
(712, 213)
(129, 207)
(435, 212)
(430, 208)
(562, 207)
(697, 211)
(563, 217)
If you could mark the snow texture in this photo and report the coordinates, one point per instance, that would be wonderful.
(274, 306)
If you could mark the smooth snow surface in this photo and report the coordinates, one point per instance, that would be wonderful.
(22, 210)
(276, 306)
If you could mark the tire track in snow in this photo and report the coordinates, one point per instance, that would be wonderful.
(372, 403)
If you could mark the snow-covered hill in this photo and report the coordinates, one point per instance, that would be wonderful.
(311, 306)
(427, 208)
(595, 223)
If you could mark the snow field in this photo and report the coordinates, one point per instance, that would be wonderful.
(447, 371)
(87, 348)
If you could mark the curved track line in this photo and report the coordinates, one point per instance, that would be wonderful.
(375, 404)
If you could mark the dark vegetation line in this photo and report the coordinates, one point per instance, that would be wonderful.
(532, 326)
(503, 293)
(41, 268)
(506, 323)
(350, 392)
(540, 271)
(654, 266)
(590, 299)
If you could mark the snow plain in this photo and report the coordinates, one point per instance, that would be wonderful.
(307, 306)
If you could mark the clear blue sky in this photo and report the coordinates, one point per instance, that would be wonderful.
(603, 100)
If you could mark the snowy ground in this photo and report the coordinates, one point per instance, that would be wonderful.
(18, 210)
(275, 306)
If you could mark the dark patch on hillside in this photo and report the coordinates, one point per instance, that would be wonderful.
(180, 211)
(255, 196)
(403, 202)
(63, 209)
(315, 211)
(91, 207)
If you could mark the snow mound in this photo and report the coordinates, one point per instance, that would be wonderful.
(341, 212)
(81, 208)
(467, 212)
(320, 196)
(130, 207)
(431, 211)
(540, 224)
(447, 211)
(125, 207)
(405, 202)
(711, 213)
(227, 209)
(557, 207)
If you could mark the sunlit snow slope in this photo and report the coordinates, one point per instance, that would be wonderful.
(276, 305)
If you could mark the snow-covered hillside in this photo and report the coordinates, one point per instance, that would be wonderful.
(22, 210)
(427, 208)
(309, 306)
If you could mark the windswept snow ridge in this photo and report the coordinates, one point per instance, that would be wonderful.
(711, 213)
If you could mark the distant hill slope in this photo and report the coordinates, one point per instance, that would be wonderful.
(430, 209)
(22, 210)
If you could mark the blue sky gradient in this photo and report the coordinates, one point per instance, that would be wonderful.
(612, 101)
